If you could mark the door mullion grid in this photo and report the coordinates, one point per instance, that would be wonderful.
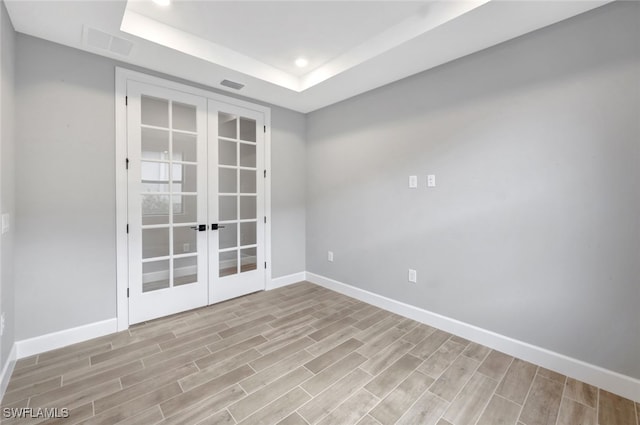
(238, 257)
(171, 244)
(211, 201)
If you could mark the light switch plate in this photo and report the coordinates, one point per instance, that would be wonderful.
(413, 182)
(413, 276)
(5, 223)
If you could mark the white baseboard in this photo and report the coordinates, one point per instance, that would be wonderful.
(290, 279)
(40, 344)
(606, 379)
(7, 370)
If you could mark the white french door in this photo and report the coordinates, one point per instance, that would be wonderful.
(195, 201)
(236, 201)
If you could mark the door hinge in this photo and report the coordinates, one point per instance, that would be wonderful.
(265, 264)
(127, 292)
(265, 174)
(127, 229)
(127, 163)
(265, 128)
(126, 101)
(265, 218)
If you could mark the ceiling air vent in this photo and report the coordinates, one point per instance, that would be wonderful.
(232, 84)
(101, 40)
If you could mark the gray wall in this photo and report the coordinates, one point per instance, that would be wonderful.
(65, 190)
(532, 230)
(7, 200)
(65, 251)
(288, 151)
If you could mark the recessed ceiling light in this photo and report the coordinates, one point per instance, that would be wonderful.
(301, 62)
(162, 2)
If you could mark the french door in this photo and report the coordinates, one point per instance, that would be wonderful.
(195, 201)
(236, 201)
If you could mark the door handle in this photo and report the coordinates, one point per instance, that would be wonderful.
(200, 227)
(216, 226)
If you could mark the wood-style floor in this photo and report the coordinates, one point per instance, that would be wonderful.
(301, 355)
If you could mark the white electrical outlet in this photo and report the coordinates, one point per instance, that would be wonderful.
(330, 256)
(431, 180)
(2, 324)
(413, 182)
(413, 276)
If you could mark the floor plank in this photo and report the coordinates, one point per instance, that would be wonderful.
(517, 381)
(439, 361)
(574, 413)
(426, 411)
(500, 411)
(543, 402)
(614, 409)
(259, 399)
(330, 398)
(469, 404)
(454, 378)
(352, 410)
(393, 406)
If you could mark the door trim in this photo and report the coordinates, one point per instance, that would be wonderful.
(122, 76)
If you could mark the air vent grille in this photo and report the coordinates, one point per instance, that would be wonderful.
(232, 84)
(120, 46)
(98, 39)
(101, 40)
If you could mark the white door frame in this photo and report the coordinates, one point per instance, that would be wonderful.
(122, 257)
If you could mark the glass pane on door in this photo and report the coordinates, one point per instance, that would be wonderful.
(247, 129)
(228, 263)
(155, 143)
(185, 147)
(247, 155)
(248, 259)
(183, 116)
(185, 270)
(227, 154)
(228, 235)
(248, 207)
(169, 185)
(237, 194)
(155, 275)
(155, 243)
(155, 209)
(155, 112)
(227, 125)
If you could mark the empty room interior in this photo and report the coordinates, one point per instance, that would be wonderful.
(320, 212)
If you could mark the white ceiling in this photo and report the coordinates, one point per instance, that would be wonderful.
(321, 31)
(351, 46)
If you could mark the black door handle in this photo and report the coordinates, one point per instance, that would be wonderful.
(216, 226)
(200, 227)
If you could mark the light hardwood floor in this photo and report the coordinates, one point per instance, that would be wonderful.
(300, 355)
